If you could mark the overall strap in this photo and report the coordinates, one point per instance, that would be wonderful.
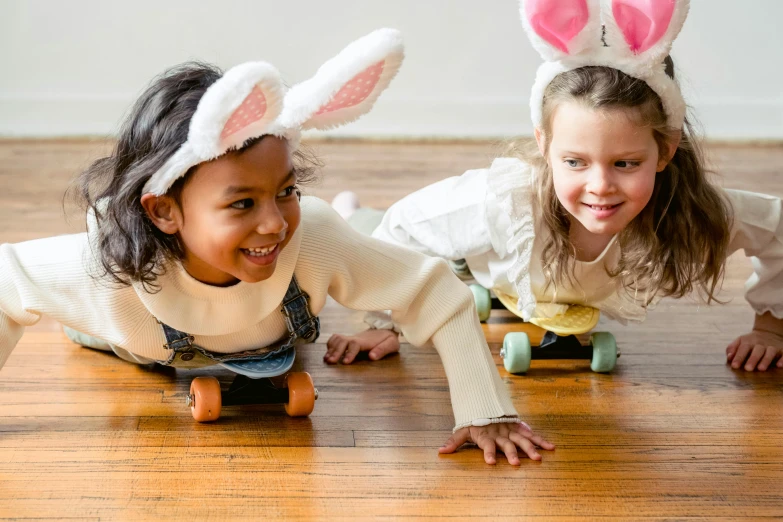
(303, 326)
(175, 339)
(300, 322)
(179, 343)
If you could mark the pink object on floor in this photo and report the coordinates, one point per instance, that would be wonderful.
(345, 203)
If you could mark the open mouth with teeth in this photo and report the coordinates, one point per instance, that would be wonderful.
(260, 251)
(602, 211)
(602, 207)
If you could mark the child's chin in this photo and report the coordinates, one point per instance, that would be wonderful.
(603, 229)
(257, 275)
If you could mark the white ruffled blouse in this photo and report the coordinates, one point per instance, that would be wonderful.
(486, 217)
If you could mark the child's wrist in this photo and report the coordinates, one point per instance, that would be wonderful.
(767, 322)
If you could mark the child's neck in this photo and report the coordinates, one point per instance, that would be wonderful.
(588, 246)
(204, 273)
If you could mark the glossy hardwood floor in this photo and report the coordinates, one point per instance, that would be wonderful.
(672, 433)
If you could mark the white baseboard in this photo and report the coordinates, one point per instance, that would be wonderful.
(63, 116)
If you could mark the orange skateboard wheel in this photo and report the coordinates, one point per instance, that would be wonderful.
(301, 394)
(205, 399)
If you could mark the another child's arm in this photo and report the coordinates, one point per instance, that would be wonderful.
(12, 312)
(758, 230)
(447, 219)
(10, 333)
(429, 304)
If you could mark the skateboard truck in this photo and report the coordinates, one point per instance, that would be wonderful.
(559, 335)
(206, 399)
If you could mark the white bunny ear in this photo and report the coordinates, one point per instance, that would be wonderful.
(562, 28)
(346, 86)
(240, 105)
(644, 29)
(244, 103)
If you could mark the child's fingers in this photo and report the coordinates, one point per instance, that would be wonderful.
(351, 351)
(337, 350)
(509, 449)
(755, 357)
(539, 441)
(732, 349)
(769, 356)
(526, 431)
(486, 443)
(455, 441)
(741, 355)
(384, 348)
(333, 341)
(330, 344)
(526, 445)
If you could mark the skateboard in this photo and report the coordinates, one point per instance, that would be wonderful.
(259, 380)
(553, 337)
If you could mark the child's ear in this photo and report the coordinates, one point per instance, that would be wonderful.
(672, 144)
(163, 211)
(540, 141)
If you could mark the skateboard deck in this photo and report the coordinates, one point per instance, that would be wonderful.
(261, 367)
(578, 320)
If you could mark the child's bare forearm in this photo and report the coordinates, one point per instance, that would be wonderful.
(768, 323)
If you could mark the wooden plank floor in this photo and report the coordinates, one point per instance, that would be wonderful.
(672, 434)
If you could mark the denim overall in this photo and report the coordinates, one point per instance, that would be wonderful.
(276, 359)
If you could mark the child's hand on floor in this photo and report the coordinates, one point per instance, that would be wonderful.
(757, 350)
(760, 348)
(506, 436)
(379, 343)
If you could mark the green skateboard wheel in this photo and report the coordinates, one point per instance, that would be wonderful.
(483, 301)
(516, 352)
(604, 352)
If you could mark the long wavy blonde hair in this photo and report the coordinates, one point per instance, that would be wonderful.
(679, 241)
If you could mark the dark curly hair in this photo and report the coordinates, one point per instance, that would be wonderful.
(130, 248)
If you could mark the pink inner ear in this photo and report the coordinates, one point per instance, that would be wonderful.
(557, 21)
(355, 91)
(643, 22)
(252, 109)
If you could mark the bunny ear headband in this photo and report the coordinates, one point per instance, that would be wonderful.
(639, 36)
(250, 101)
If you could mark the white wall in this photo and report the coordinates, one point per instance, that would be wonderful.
(73, 67)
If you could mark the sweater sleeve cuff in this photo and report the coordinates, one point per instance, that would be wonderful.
(381, 321)
(487, 422)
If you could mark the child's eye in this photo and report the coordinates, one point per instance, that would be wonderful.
(288, 192)
(625, 164)
(243, 204)
(573, 163)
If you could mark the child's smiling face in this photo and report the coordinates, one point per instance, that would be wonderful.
(238, 212)
(603, 166)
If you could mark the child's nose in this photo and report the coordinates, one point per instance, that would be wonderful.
(600, 181)
(271, 220)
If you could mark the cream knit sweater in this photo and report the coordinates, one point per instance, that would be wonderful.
(55, 277)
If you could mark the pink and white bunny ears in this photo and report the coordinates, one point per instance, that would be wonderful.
(639, 35)
(250, 100)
